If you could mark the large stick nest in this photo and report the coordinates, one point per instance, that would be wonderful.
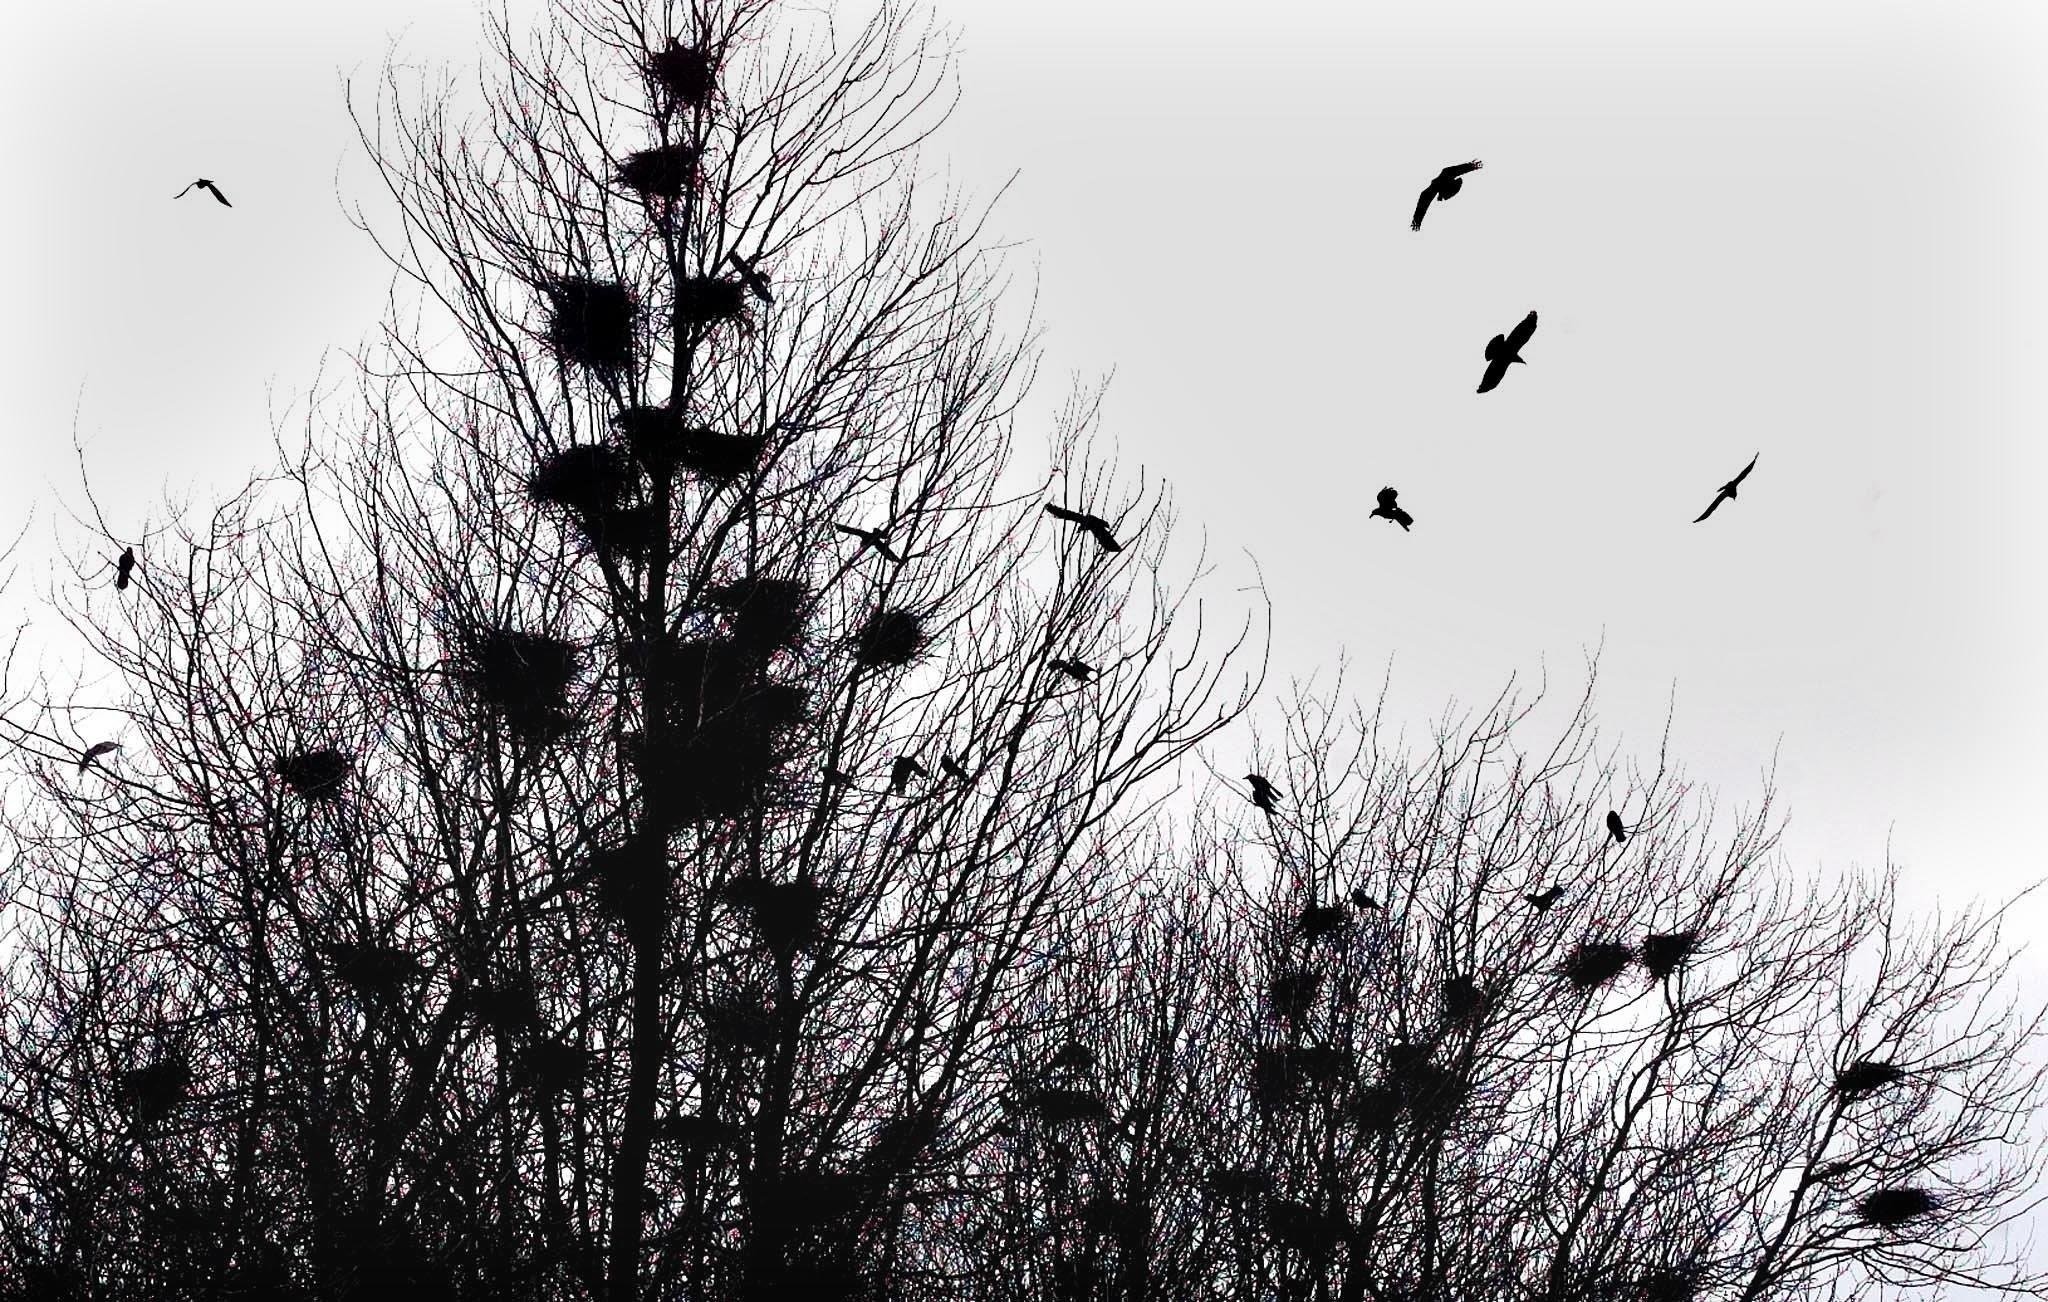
(1863, 1076)
(891, 638)
(1594, 963)
(707, 300)
(1894, 1207)
(315, 774)
(524, 678)
(686, 73)
(763, 614)
(664, 172)
(587, 479)
(590, 323)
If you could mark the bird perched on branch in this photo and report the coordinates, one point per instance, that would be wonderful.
(1263, 794)
(756, 282)
(1544, 899)
(875, 538)
(206, 185)
(1503, 351)
(1094, 524)
(952, 769)
(96, 750)
(1727, 492)
(123, 568)
(1389, 509)
(835, 778)
(1444, 186)
(1362, 900)
(1074, 669)
(1615, 829)
(902, 771)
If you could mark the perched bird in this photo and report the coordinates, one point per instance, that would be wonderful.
(1073, 669)
(1094, 524)
(1445, 185)
(1263, 794)
(755, 281)
(902, 771)
(953, 770)
(1543, 900)
(875, 538)
(1504, 350)
(1390, 510)
(1073, 1056)
(835, 778)
(1362, 900)
(206, 185)
(1727, 490)
(1615, 829)
(125, 568)
(96, 750)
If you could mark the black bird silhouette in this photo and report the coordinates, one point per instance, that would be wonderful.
(1263, 794)
(1445, 185)
(902, 771)
(1390, 510)
(1073, 669)
(1727, 490)
(953, 769)
(875, 538)
(755, 281)
(1545, 899)
(96, 750)
(1094, 524)
(1503, 351)
(206, 185)
(1362, 900)
(1615, 829)
(835, 778)
(125, 568)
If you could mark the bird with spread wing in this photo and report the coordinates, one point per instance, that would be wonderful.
(1727, 492)
(203, 184)
(1389, 509)
(1094, 524)
(1505, 350)
(1444, 186)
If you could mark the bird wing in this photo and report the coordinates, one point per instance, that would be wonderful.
(182, 193)
(1495, 369)
(1459, 170)
(1062, 513)
(214, 190)
(1422, 206)
(96, 750)
(1401, 517)
(1520, 334)
(1104, 536)
(1745, 471)
(1719, 498)
(850, 531)
(1387, 496)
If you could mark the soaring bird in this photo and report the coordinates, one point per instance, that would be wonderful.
(1362, 900)
(1445, 185)
(1615, 829)
(1094, 524)
(1390, 510)
(902, 771)
(1074, 669)
(1544, 899)
(1504, 350)
(755, 281)
(126, 567)
(1727, 490)
(206, 185)
(96, 750)
(875, 538)
(1263, 794)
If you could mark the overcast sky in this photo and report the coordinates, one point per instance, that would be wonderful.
(1808, 230)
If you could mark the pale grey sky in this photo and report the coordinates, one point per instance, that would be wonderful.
(1810, 230)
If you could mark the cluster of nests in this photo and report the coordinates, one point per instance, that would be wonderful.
(1592, 964)
(599, 486)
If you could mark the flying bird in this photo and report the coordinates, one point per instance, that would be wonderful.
(1727, 490)
(1503, 351)
(902, 771)
(127, 567)
(1074, 669)
(96, 750)
(755, 281)
(1390, 510)
(875, 538)
(1094, 524)
(1362, 900)
(953, 769)
(1445, 185)
(1263, 794)
(1615, 829)
(203, 184)
(1545, 899)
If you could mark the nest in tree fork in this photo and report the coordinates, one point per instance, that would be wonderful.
(687, 73)
(1894, 1207)
(740, 1022)
(764, 614)
(664, 172)
(631, 532)
(1057, 1104)
(1594, 963)
(1320, 920)
(587, 480)
(551, 1066)
(315, 774)
(1464, 999)
(726, 764)
(889, 638)
(1664, 954)
(651, 434)
(524, 678)
(590, 323)
(373, 969)
(1293, 994)
(152, 1091)
(626, 879)
(719, 458)
(698, 1132)
(787, 915)
(707, 300)
(1862, 1077)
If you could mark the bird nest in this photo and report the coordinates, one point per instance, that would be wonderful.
(508, 1006)
(719, 458)
(1293, 994)
(1892, 1207)
(627, 532)
(901, 1141)
(1320, 920)
(788, 916)
(1594, 963)
(1056, 1104)
(1305, 1229)
(315, 774)
(524, 678)
(1238, 1184)
(763, 614)
(707, 300)
(373, 969)
(550, 1066)
(1376, 1108)
(626, 880)
(687, 73)
(1464, 999)
(889, 637)
(698, 1132)
(1862, 1077)
(726, 764)
(590, 323)
(148, 1093)
(1665, 954)
(587, 479)
(1072, 1056)
(664, 172)
(740, 1022)
(650, 434)
(1668, 1286)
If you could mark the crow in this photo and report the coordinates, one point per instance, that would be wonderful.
(1388, 509)
(206, 185)
(953, 769)
(1072, 1056)
(126, 567)
(1615, 829)
(835, 778)
(1362, 900)
(1263, 794)
(900, 773)
(1503, 350)
(875, 538)
(1094, 524)
(1445, 185)
(1545, 899)
(756, 282)
(1727, 490)
(96, 750)
(1074, 669)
